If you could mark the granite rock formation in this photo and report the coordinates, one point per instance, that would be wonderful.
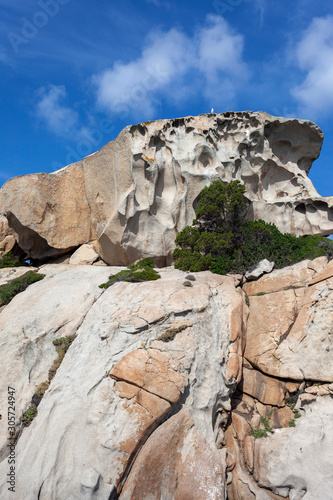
(169, 385)
(140, 190)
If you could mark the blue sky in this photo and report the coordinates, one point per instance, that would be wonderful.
(75, 73)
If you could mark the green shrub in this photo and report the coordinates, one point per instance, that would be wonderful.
(265, 421)
(9, 260)
(141, 271)
(258, 433)
(29, 415)
(222, 240)
(292, 423)
(17, 285)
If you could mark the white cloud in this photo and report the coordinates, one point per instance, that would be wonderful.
(173, 66)
(58, 117)
(314, 55)
(220, 59)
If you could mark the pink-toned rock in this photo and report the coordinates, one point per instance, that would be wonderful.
(176, 462)
(241, 427)
(266, 389)
(151, 371)
(289, 332)
(7, 244)
(324, 274)
(271, 318)
(145, 409)
(48, 213)
(7, 240)
(249, 453)
(294, 276)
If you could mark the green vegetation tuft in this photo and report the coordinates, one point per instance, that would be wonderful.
(29, 415)
(222, 240)
(292, 423)
(258, 433)
(62, 345)
(9, 260)
(141, 271)
(17, 285)
(265, 422)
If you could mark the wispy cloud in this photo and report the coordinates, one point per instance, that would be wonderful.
(53, 112)
(261, 7)
(314, 55)
(211, 60)
(220, 59)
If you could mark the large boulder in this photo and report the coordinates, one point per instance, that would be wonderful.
(48, 213)
(141, 189)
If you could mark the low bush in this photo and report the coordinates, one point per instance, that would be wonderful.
(222, 240)
(258, 433)
(9, 260)
(141, 271)
(17, 285)
(29, 415)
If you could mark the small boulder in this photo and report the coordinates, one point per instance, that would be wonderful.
(264, 266)
(84, 255)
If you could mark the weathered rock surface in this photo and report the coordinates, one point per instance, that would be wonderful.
(7, 239)
(140, 190)
(171, 391)
(118, 382)
(289, 329)
(176, 462)
(84, 255)
(48, 213)
(297, 463)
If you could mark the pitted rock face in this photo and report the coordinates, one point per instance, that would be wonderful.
(141, 189)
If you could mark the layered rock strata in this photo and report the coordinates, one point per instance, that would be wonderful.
(140, 190)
